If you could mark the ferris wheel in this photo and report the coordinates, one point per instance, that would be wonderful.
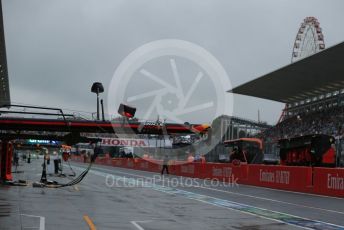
(309, 39)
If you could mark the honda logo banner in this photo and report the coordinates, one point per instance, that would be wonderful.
(136, 142)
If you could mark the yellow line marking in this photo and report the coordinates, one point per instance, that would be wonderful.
(90, 223)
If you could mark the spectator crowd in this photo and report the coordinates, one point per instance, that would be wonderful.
(329, 121)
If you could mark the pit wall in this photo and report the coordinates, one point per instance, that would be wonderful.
(322, 181)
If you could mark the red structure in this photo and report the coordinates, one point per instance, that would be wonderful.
(69, 132)
(55, 125)
(316, 180)
(311, 150)
(6, 150)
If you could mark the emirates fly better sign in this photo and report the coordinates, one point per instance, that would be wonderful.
(128, 142)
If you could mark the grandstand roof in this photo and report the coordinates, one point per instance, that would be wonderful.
(318, 74)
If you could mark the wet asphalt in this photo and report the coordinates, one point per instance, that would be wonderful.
(118, 198)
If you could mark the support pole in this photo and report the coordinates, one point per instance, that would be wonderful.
(44, 170)
(6, 151)
(102, 105)
(98, 106)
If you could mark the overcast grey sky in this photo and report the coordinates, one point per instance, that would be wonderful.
(57, 48)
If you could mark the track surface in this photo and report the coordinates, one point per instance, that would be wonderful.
(117, 198)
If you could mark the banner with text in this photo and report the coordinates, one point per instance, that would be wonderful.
(143, 143)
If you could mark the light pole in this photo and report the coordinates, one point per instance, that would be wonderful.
(97, 88)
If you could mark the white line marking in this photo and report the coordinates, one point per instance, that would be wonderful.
(268, 199)
(135, 223)
(238, 194)
(249, 213)
(163, 189)
(41, 221)
(302, 193)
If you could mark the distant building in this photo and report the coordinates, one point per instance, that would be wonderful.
(4, 82)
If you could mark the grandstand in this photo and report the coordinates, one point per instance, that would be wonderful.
(326, 121)
(312, 90)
